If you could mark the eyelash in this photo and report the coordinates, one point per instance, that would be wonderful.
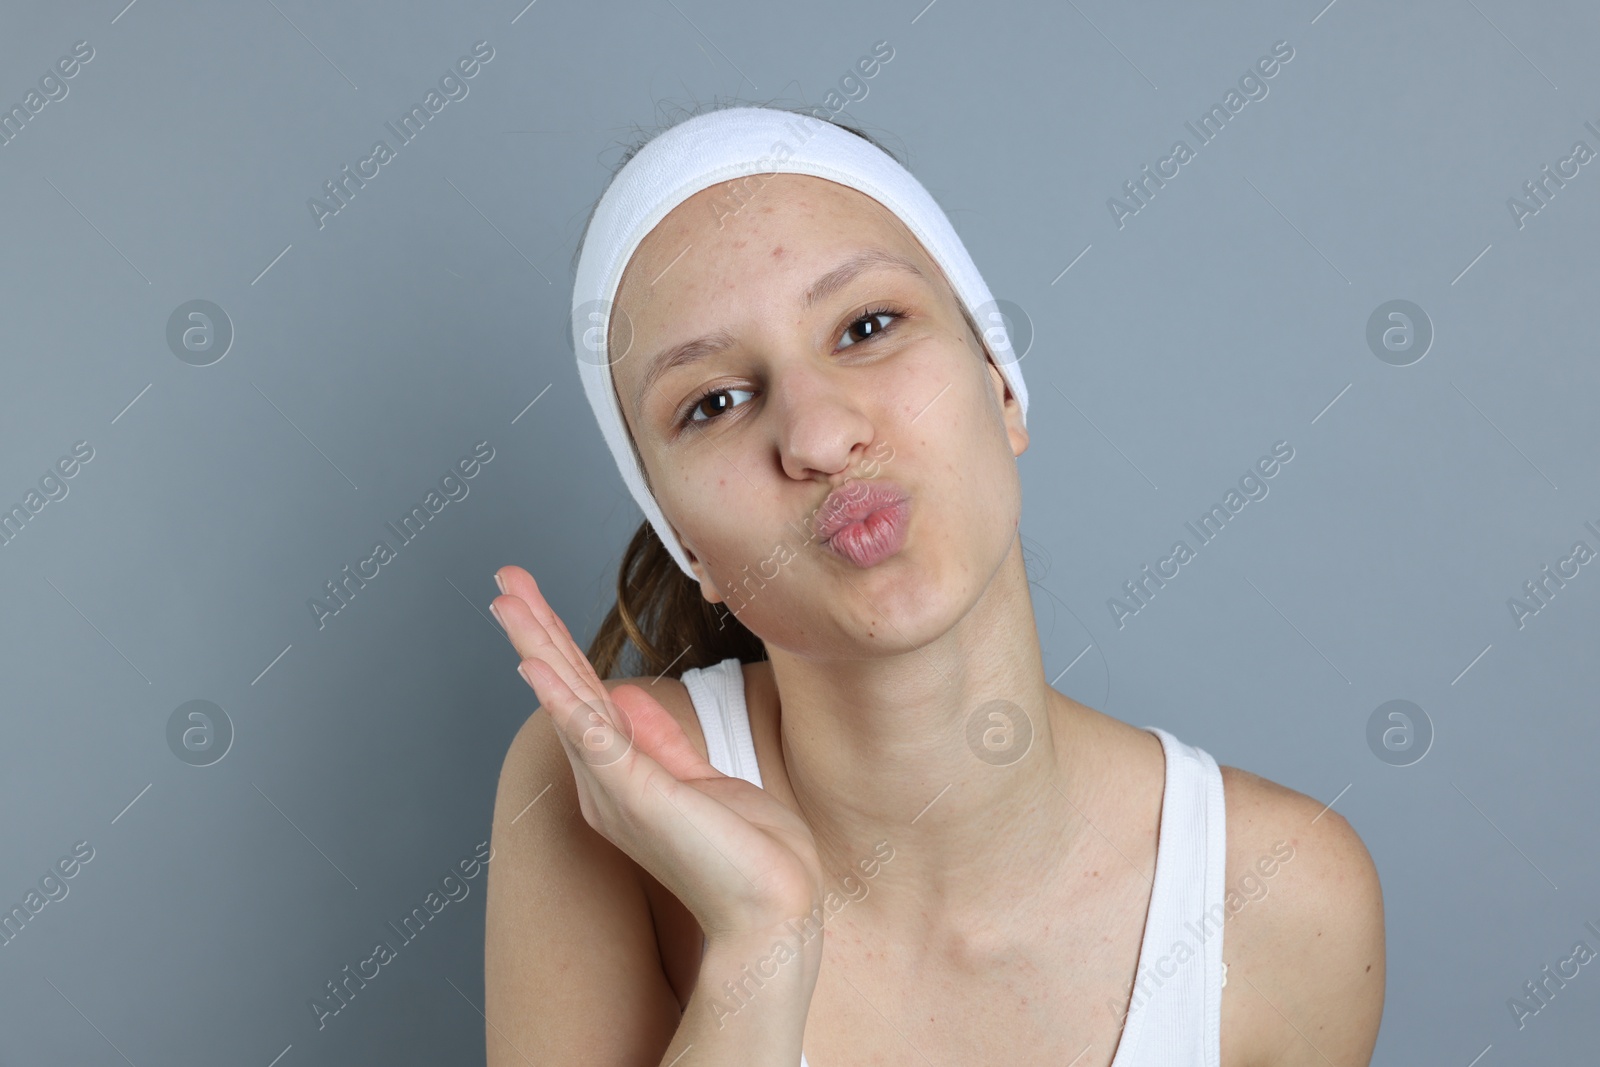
(686, 419)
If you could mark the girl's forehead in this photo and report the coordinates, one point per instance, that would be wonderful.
(784, 209)
(697, 263)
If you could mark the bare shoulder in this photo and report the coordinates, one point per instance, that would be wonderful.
(574, 928)
(1304, 935)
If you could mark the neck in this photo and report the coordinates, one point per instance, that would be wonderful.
(958, 754)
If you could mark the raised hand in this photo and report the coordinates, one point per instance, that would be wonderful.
(737, 858)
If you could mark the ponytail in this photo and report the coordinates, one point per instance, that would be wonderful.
(660, 612)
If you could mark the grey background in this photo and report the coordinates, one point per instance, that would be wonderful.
(371, 354)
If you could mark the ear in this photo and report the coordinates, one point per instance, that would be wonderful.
(1010, 409)
(702, 574)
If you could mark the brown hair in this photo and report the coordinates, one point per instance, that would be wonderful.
(659, 610)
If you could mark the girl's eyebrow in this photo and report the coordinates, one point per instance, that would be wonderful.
(682, 355)
(857, 263)
(699, 348)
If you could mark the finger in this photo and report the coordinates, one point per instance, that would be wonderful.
(522, 587)
(596, 735)
(522, 584)
(567, 716)
(533, 627)
(519, 584)
(534, 640)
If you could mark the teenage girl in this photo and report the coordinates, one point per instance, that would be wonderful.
(841, 817)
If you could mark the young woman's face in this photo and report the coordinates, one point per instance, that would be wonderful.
(876, 380)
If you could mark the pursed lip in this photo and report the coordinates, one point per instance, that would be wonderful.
(853, 502)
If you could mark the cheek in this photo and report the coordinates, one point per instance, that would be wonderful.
(942, 419)
(921, 383)
(967, 455)
(934, 379)
(721, 517)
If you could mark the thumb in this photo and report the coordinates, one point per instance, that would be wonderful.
(657, 734)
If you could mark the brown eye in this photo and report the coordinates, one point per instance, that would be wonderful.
(717, 401)
(869, 319)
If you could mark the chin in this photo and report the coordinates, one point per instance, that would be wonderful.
(904, 603)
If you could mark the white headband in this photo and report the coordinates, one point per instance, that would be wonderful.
(717, 147)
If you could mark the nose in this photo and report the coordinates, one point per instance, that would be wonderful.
(822, 421)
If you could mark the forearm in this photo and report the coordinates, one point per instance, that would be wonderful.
(750, 1002)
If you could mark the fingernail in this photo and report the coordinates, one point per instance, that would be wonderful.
(498, 582)
(526, 672)
(495, 611)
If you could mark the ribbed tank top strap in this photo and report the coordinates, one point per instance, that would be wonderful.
(718, 695)
(1175, 1013)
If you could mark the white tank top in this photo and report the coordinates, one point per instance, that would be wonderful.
(1174, 1016)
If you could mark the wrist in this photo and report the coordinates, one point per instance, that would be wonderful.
(763, 954)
